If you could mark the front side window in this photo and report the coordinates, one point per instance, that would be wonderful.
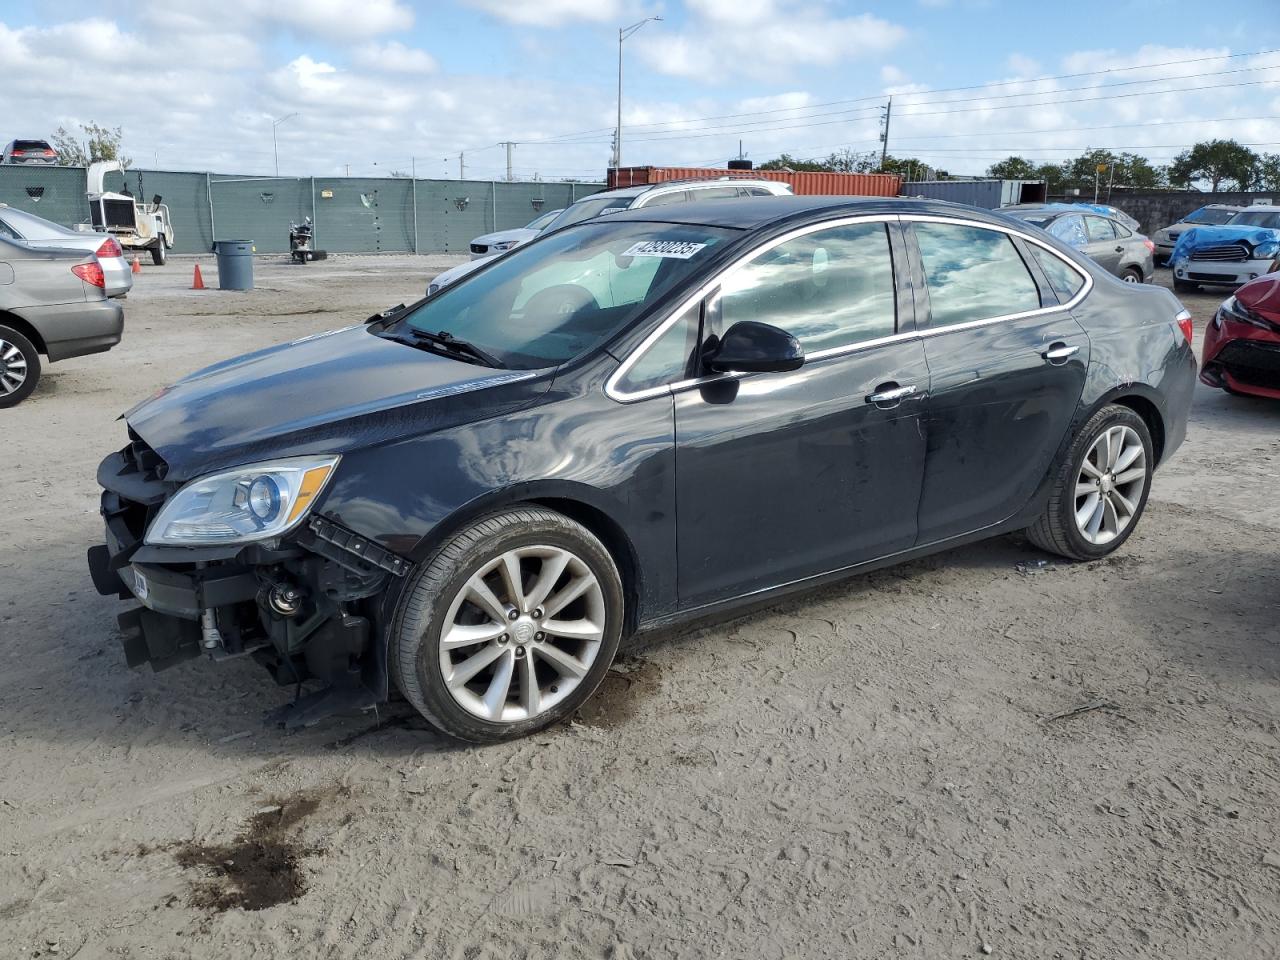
(830, 288)
(668, 359)
(1065, 279)
(973, 274)
(1070, 230)
(714, 193)
(1099, 229)
(586, 209)
(663, 199)
(547, 302)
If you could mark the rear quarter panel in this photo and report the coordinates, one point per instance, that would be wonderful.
(1137, 350)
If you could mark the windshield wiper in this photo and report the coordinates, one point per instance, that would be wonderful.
(452, 344)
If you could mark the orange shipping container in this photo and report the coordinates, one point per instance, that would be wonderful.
(806, 183)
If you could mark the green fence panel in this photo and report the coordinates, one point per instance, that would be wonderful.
(55, 193)
(352, 214)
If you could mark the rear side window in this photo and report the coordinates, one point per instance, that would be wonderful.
(1065, 279)
(714, 193)
(667, 359)
(756, 192)
(830, 288)
(8, 231)
(1070, 230)
(973, 274)
(1099, 229)
(661, 199)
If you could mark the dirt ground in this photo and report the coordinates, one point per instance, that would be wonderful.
(888, 767)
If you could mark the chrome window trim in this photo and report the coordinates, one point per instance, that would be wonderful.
(612, 390)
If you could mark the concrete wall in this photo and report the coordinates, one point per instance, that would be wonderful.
(1158, 208)
(351, 214)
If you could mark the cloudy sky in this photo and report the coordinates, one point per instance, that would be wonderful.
(380, 85)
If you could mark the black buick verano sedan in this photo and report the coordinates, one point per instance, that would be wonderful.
(632, 421)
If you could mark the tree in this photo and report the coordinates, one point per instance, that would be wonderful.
(788, 162)
(1218, 162)
(1268, 172)
(101, 143)
(1013, 168)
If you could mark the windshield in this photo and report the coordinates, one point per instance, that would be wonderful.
(586, 209)
(544, 303)
(539, 222)
(1209, 215)
(1256, 218)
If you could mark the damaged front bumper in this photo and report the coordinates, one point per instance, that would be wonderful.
(306, 607)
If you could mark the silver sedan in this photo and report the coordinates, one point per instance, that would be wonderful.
(36, 231)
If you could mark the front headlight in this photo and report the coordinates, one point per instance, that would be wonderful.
(505, 245)
(1267, 251)
(254, 502)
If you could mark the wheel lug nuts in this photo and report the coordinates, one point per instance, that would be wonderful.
(537, 614)
(503, 639)
(519, 651)
(538, 636)
(513, 614)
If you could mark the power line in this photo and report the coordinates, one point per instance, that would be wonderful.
(981, 86)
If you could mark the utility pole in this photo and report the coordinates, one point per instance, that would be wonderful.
(884, 135)
(623, 33)
(274, 150)
(508, 144)
(462, 166)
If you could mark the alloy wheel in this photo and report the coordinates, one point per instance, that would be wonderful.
(13, 368)
(1110, 484)
(522, 633)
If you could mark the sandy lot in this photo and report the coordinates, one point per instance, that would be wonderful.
(883, 768)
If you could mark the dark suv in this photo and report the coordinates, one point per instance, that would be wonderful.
(637, 420)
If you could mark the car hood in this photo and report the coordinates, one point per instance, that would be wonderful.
(1206, 236)
(1262, 296)
(327, 393)
(516, 233)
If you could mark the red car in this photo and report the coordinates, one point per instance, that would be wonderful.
(1242, 341)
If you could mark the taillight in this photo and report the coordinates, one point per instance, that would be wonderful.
(90, 273)
(19, 153)
(1183, 320)
(50, 153)
(110, 248)
(1151, 247)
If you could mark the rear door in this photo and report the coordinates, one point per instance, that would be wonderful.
(784, 476)
(1006, 363)
(1104, 247)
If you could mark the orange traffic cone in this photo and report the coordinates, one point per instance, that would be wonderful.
(197, 281)
(135, 267)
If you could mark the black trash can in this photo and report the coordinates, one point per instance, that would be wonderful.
(235, 264)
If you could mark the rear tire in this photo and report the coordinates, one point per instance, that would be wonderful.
(159, 253)
(1131, 275)
(1101, 487)
(19, 367)
(462, 639)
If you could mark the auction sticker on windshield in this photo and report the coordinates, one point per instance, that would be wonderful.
(671, 249)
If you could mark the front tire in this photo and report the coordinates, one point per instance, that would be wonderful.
(509, 628)
(159, 253)
(19, 367)
(1100, 489)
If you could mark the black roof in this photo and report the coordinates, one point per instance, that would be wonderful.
(751, 212)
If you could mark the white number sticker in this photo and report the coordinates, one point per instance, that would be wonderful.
(671, 249)
(141, 588)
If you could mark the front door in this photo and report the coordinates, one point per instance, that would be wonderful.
(784, 476)
(1006, 373)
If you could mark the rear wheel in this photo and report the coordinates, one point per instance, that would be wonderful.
(19, 367)
(509, 628)
(159, 253)
(1101, 488)
(1132, 275)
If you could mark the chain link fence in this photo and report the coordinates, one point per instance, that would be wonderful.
(351, 214)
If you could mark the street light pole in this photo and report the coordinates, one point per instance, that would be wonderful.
(275, 152)
(623, 33)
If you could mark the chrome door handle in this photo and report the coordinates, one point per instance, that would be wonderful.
(1059, 352)
(892, 395)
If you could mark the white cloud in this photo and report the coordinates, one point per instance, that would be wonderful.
(394, 57)
(550, 13)
(1023, 66)
(761, 38)
(336, 18)
(892, 75)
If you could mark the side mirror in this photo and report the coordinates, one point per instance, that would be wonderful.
(752, 347)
